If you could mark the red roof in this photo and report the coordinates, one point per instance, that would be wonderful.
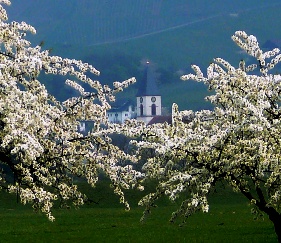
(161, 119)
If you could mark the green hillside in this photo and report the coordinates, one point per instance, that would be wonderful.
(117, 36)
(94, 22)
(177, 49)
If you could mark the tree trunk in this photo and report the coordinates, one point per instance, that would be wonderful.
(273, 215)
(275, 218)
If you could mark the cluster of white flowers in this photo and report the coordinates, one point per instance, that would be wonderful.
(237, 142)
(3, 13)
(39, 139)
(250, 45)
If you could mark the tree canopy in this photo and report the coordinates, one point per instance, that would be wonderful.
(40, 141)
(41, 146)
(238, 142)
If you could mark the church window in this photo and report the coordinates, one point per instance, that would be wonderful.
(153, 109)
(141, 110)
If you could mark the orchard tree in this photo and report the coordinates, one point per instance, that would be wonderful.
(40, 141)
(237, 142)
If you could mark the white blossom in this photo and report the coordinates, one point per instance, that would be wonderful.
(238, 142)
(40, 139)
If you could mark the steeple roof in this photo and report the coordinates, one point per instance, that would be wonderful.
(148, 85)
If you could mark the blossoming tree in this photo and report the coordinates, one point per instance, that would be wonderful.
(40, 143)
(237, 142)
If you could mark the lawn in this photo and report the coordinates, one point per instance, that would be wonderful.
(229, 220)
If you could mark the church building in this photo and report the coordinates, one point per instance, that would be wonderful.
(149, 104)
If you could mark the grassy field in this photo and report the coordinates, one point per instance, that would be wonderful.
(229, 220)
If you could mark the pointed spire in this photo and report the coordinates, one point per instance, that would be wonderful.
(148, 86)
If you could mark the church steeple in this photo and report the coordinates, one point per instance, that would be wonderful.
(148, 85)
(148, 97)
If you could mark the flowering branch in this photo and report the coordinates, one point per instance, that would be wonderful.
(40, 141)
(237, 142)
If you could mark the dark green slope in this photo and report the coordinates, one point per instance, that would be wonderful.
(94, 22)
(116, 36)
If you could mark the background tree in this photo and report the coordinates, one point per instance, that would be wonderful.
(238, 142)
(40, 143)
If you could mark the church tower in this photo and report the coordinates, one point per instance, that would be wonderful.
(148, 97)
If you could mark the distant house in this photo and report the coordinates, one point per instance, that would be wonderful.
(85, 126)
(121, 111)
